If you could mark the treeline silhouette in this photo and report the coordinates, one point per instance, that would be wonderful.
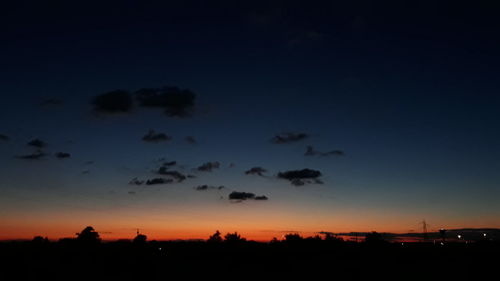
(232, 256)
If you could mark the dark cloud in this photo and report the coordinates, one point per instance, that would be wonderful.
(301, 177)
(208, 187)
(241, 196)
(190, 140)
(118, 101)
(34, 156)
(173, 174)
(209, 166)
(86, 172)
(37, 143)
(4, 137)
(236, 195)
(62, 155)
(89, 163)
(289, 137)
(310, 151)
(136, 181)
(256, 171)
(175, 101)
(169, 163)
(153, 136)
(131, 192)
(159, 181)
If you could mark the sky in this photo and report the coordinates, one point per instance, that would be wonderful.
(281, 116)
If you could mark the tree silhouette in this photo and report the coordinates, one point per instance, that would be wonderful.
(140, 239)
(40, 240)
(332, 238)
(374, 238)
(293, 237)
(88, 236)
(215, 238)
(233, 237)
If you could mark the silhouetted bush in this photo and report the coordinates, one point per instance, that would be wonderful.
(38, 240)
(215, 238)
(233, 238)
(140, 239)
(293, 237)
(88, 236)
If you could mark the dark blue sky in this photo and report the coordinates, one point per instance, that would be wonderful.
(409, 92)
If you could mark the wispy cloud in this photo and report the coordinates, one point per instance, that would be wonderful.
(289, 137)
(301, 177)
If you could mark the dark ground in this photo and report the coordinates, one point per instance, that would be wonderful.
(69, 260)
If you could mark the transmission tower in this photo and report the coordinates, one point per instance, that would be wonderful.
(424, 230)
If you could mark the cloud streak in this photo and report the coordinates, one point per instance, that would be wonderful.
(155, 137)
(34, 156)
(310, 151)
(208, 187)
(37, 143)
(159, 181)
(239, 196)
(256, 171)
(62, 155)
(301, 177)
(209, 166)
(289, 138)
(117, 101)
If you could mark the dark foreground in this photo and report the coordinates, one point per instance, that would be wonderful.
(279, 260)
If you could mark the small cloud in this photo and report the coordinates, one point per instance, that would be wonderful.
(175, 101)
(4, 137)
(37, 143)
(34, 156)
(118, 101)
(159, 181)
(209, 166)
(190, 140)
(86, 172)
(310, 151)
(238, 196)
(301, 177)
(256, 171)
(179, 177)
(62, 155)
(89, 163)
(152, 136)
(131, 192)
(289, 137)
(208, 187)
(136, 181)
(169, 164)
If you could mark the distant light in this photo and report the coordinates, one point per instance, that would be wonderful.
(442, 244)
(459, 236)
(159, 248)
(402, 244)
(484, 234)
